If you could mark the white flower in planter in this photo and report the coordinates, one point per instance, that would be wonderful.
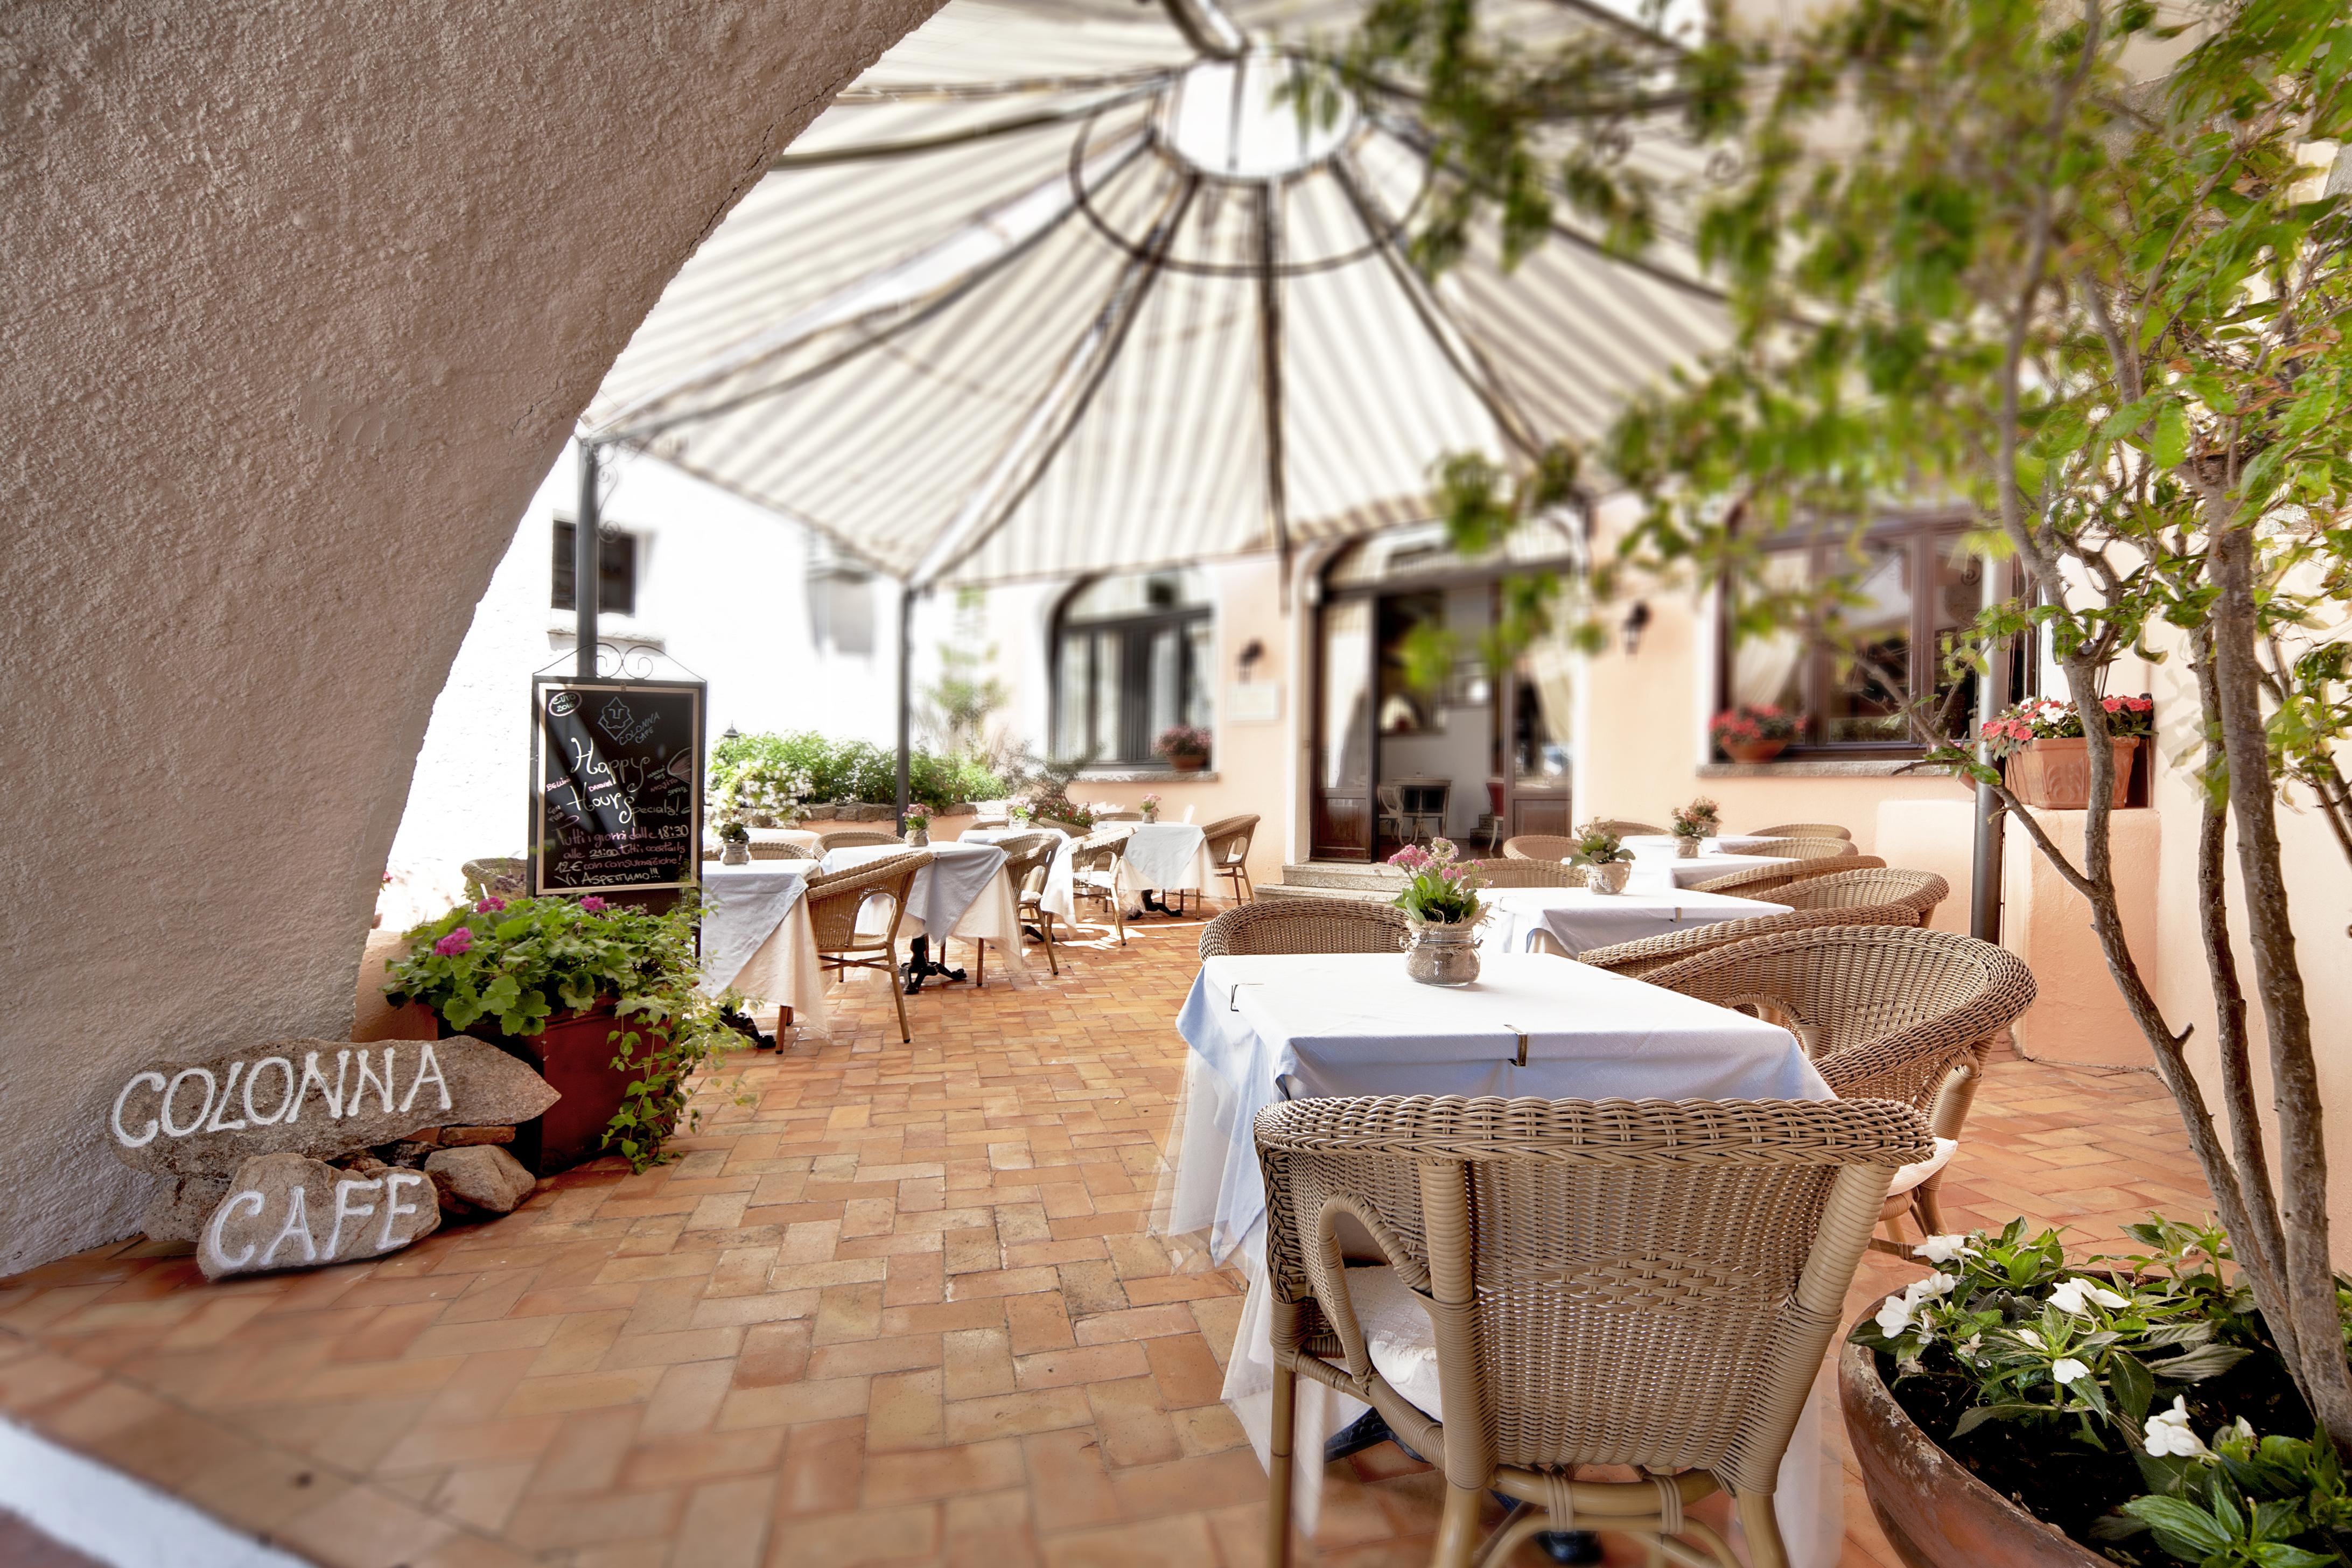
(1895, 1315)
(2069, 1295)
(1898, 1313)
(2169, 1437)
(1933, 1288)
(1942, 1249)
(2067, 1369)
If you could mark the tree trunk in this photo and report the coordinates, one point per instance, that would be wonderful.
(2294, 1077)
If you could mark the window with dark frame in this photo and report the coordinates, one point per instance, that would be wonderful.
(1132, 657)
(1918, 588)
(616, 585)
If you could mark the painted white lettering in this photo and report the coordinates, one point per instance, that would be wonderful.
(333, 1098)
(429, 1065)
(285, 1101)
(215, 1124)
(121, 1133)
(367, 1076)
(296, 1228)
(393, 1207)
(211, 1089)
(345, 1209)
(221, 1216)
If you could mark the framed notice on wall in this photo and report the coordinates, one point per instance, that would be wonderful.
(616, 773)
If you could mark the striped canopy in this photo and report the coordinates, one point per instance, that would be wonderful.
(1058, 286)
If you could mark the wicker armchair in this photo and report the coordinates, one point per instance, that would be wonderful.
(1802, 848)
(1879, 897)
(1766, 881)
(1538, 847)
(1886, 1012)
(843, 942)
(1306, 925)
(1228, 846)
(1064, 824)
(1799, 830)
(1646, 1283)
(1095, 861)
(503, 875)
(1510, 873)
(1028, 858)
(851, 838)
(1624, 829)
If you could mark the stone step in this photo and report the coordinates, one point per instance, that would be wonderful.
(1354, 877)
(1350, 895)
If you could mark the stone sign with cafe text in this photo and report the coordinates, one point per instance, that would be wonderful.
(283, 1211)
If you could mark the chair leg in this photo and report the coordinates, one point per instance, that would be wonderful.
(1045, 924)
(1280, 1465)
(1457, 1528)
(898, 997)
(1763, 1527)
(1926, 1207)
(979, 964)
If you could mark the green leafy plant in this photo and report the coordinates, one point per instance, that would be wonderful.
(804, 763)
(918, 821)
(1597, 845)
(1439, 887)
(1181, 740)
(734, 832)
(514, 963)
(1751, 723)
(1700, 819)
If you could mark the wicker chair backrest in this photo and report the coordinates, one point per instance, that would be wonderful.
(1538, 847)
(1799, 830)
(1306, 925)
(1801, 848)
(1623, 828)
(854, 837)
(1064, 824)
(779, 850)
(1635, 1282)
(1509, 873)
(1027, 858)
(1229, 839)
(1871, 887)
(1764, 882)
(1886, 1011)
(1643, 958)
(1100, 850)
(835, 898)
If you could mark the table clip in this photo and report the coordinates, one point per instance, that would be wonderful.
(1523, 1046)
(1234, 1001)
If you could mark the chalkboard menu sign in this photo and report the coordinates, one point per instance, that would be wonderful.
(617, 802)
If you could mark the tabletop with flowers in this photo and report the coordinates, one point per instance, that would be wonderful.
(1440, 887)
(2048, 718)
(2138, 1404)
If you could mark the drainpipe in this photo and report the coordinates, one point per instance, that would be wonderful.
(1992, 696)
(587, 568)
(905, 694)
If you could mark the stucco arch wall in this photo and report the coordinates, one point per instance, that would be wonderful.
(301, 302)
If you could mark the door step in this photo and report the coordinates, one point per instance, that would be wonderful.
(1336, 879)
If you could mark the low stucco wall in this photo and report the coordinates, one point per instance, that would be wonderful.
(303, 304)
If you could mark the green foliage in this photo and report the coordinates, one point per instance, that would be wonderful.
(1440, 887)
(849, 770)
(1597, 845)
(513, 963)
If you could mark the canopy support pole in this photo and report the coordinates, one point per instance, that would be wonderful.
(1992, 696)
(587, 568)
(905, 696)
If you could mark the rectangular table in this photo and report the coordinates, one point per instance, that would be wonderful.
(1580, 919)
(1658, 873)
(1268, 1028)
(1060, 895)
(757, 937)
(964, 892)
(1666, 844)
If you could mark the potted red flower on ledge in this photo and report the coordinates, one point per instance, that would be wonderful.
(599, 1000)
(1186, 748)
(1752, 732)
(2046, 758)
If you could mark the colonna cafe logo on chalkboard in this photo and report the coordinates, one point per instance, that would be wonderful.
(617, 796)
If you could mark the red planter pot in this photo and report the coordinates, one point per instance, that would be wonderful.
(2056, 774)
(1183, 764)
(574, 1054)
(1754, 750)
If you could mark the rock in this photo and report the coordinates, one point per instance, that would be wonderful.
(483, 1177)
(315, 1097)
(180, 1207)
(431, 1136)
(284, 1211)
(459, 1137)
(409, 1154)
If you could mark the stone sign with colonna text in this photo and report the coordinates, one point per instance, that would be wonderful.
(205, 1118)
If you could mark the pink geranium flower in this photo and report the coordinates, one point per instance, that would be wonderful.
(594, 905)
(456, 943)
(1413, 857)
(492, 904)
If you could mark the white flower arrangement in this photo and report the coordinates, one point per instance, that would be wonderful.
(2070, 1296)
(2170, 1437)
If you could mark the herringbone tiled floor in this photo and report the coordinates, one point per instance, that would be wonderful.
(898, 1310)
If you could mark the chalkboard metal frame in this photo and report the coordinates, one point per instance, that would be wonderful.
(541, 685)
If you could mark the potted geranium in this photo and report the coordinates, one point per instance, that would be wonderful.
(2010, 1409)
(1700, 820)
(918, 827)
(1752, 732)
(734, 843)
(1150, 806)
(600, 1000)
(1605, 857)
(1441, 899)
(1186, 748)
(2046, 760)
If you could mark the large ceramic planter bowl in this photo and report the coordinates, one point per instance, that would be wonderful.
(574, 1054)
(1933, 1509)
(2055, 774)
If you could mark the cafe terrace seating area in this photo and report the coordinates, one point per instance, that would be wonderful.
(937, 1302)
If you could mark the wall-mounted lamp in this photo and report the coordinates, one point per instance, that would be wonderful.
(1252, 651)
(731, 734)
(1637, 620)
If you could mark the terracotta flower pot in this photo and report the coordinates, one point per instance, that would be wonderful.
(1187, 764)
(1754, 750)
(2056, 774)
(1933, 1509)
(574, 1054)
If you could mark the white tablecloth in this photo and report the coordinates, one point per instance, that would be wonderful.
(1060, 896)
(1580, 919)
(1663, 844)
(1658, 874)
(1171, 857)
(962, 892)
(757, 937)
(1266, 1028)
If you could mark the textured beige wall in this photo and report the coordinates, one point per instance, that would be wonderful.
(301, 301)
